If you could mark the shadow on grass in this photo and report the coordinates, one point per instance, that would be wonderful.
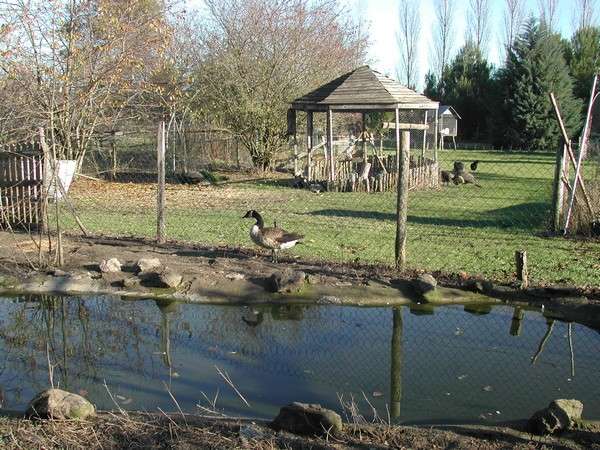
(526, 216)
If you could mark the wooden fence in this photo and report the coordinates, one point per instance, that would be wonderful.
(21, 184)
(423, 174)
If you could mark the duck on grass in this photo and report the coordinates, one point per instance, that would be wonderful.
(273, 238)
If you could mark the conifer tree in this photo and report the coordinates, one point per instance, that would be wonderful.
(536, 66)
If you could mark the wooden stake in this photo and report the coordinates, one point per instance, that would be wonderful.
(402, 200)
(522, 270)
(160, 198)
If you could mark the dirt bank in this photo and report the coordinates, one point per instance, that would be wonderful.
(240, 276)
(150, 431)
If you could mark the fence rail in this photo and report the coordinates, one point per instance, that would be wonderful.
(382, 175)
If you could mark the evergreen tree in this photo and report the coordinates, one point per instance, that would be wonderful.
(431, 90)
(536, 66)
(584, 60)
(467, 84)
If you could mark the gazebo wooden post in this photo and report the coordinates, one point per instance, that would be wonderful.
(309, 136)
(364, 141)
(424, 137)
(397, 140)
(435, 136)
(330, 144)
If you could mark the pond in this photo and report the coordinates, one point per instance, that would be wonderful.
(419, 365)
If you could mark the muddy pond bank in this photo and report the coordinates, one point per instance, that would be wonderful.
(235, 276)
(154, 431)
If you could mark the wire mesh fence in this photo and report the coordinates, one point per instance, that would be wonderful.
(471, 212)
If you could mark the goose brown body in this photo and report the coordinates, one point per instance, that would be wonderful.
(272, 238)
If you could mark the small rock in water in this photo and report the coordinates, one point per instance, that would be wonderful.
(110, 265)
(59, 404)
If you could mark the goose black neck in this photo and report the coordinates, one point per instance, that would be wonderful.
(259, 220)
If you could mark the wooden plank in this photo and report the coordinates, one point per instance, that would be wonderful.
(406, 126)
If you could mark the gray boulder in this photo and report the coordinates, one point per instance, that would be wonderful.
(147, 264)
(307, 419)
(560, 415)
(287, 280)
(425, 283)
(110, 265)
(59, 404)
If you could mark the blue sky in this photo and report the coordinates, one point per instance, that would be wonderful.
(381, 18)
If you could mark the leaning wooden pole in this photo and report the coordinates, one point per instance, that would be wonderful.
(582, 150)
(160, 195)
(402, 196)
(570, 152)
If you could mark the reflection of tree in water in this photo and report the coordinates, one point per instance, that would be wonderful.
(80, 334)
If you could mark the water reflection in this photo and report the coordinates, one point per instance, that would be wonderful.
(453, 363)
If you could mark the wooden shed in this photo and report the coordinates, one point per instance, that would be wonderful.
(448, 124)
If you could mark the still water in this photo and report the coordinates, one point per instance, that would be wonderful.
(440, 365)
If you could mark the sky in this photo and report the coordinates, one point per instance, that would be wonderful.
(381, 18)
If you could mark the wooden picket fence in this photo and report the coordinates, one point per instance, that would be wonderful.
(21, 172)
(423, 174)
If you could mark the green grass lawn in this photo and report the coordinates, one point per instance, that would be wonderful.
(457, 228)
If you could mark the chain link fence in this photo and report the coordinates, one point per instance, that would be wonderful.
(469, 209)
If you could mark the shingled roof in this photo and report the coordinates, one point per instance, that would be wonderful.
(363, 89)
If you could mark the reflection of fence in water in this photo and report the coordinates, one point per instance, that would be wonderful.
(428, 363)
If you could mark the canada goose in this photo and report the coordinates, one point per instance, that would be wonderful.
(273, 238)
(474, 165)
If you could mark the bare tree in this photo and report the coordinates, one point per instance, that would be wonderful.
(584, 14)
(478, 19)
(258, 55)
(444, 36)
(77, 63)
(547, 10)
(514, 15)
(407, 38)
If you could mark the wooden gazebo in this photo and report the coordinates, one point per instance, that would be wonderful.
(364, 90)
